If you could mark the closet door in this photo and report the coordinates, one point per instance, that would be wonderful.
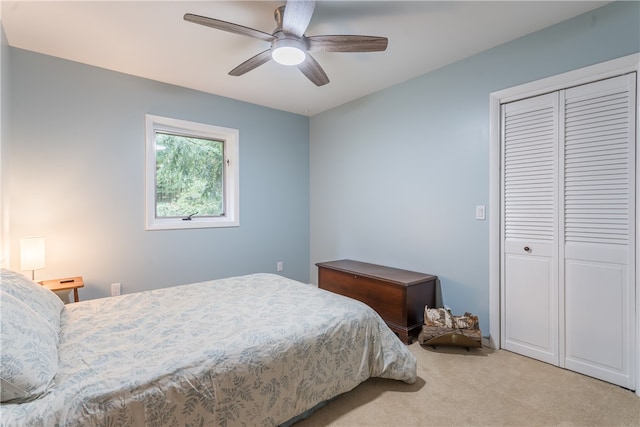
(529, 276)
(569, 228)
(599, 229)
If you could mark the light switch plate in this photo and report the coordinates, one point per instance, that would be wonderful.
(480, 212)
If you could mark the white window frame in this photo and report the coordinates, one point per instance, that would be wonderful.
(229, 136)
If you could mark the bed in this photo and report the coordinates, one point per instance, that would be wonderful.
(252, 350)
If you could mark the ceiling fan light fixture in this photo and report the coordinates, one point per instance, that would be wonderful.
(288, 52)
(289, 44)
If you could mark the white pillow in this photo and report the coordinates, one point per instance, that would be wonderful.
(29, 329)
(43, 301)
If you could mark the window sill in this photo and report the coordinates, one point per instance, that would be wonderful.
(179, 224)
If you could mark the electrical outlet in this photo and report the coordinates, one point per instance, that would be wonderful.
(279, 266)
(115, 289)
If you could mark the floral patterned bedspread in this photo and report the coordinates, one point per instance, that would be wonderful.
(251, 350)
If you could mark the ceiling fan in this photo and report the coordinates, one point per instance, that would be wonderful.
(289, 44)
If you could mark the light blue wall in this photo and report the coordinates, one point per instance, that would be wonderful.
(395, 176)
(77, 177)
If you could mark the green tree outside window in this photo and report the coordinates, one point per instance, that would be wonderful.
(189, 176)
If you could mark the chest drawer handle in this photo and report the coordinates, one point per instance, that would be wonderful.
(527, 249)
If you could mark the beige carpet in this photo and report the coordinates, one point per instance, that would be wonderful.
(481, 387)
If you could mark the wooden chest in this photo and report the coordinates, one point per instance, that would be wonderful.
(399, 296)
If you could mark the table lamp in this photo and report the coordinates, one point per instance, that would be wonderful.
(32, 254)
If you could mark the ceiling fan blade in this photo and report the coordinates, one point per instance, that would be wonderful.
(347, 43)
(251, 63)
(297, 15)
(228, 26)
(313, 71)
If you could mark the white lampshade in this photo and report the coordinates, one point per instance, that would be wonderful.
(288, 51)
(32, 253)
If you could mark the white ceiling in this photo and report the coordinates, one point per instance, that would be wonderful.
(150, 39)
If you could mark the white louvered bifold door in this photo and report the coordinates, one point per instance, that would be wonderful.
(530, 228)
(599, 229)
(569, 228)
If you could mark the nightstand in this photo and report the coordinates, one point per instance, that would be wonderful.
(65, 284)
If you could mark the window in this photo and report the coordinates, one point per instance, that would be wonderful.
(191, 175)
